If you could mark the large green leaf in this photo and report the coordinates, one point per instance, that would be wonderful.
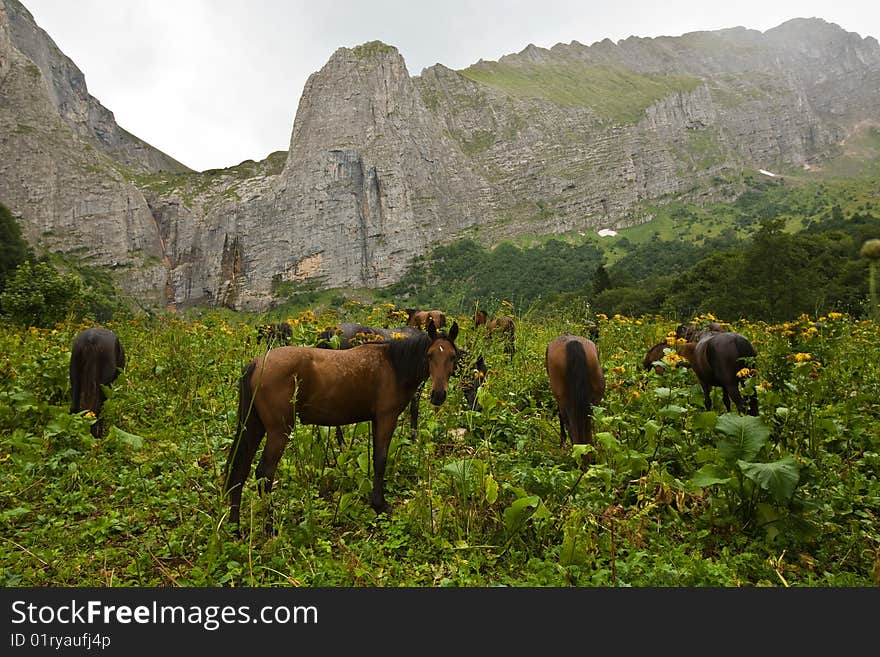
(709, 475)
(132, 440)
(705, 420)
(745, 435)
(779, 478)
(519, 511)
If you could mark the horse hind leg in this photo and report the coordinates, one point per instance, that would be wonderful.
(707, 396)
(563, 420)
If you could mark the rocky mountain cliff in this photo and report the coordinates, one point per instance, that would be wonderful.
(383, 165)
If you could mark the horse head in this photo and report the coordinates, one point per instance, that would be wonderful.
(442, 355)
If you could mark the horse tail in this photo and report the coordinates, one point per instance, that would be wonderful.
(744, 348)
(89, 385)
(579, 408)
(249, 430)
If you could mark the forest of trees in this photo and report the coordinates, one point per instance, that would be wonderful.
(775, 276)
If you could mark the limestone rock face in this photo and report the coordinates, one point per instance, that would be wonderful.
(69, 195)
(382, 165)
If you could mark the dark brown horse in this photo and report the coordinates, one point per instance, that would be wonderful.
(716, 358)
(419, 318)
(577, 382)
(655, 354)
(330, 387)
(351, 334)
(96, 358)
(692, 332)
(274, 334)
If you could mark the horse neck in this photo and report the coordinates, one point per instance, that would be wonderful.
(408, 358)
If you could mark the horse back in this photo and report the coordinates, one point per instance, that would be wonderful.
(719, 356)
(327, 387)
(570, 357)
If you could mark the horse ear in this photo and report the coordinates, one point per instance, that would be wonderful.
(432, 330)
(453, 332)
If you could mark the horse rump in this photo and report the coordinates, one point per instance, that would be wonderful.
(96, 358)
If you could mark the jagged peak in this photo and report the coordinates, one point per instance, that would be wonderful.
(374, 49)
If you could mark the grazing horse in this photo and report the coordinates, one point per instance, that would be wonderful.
(350, 335)
(577, 382)
(504, 326)
(655, 354)
(96, 357)
(280, 333)
(716, 358)
(692, 333)
(331, 387)
(419, 318)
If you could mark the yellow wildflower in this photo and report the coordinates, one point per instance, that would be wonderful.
(743, 373)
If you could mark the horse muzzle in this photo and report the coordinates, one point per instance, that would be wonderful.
(438, 397)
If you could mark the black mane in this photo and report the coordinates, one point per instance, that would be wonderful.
(409, 356)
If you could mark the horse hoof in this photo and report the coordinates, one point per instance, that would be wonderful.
(381, 509)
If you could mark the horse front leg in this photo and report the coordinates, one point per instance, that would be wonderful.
(383, 428)
(276, 441)
(414, 412)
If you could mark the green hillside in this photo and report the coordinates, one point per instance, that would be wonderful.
(614, 93)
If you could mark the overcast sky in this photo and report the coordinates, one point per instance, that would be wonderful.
(215, 82)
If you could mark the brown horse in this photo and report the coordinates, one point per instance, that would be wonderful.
(716, 358)
(96, 358)
(352, 334)
(503, 326)
(419, 318)
(330, 387)
(692, 333)
(577, 382)
(655, 354)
